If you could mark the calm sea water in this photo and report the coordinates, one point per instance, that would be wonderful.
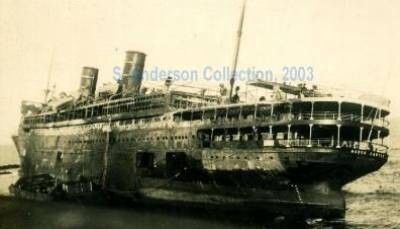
(372, 202)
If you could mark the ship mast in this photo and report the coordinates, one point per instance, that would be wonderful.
(236, 54)
(47, 90)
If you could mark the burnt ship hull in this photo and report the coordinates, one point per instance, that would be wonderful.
(290, 155)
(167, 167)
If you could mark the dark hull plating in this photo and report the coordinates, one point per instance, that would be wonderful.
(163, 164)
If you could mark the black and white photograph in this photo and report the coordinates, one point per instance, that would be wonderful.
(164, 114)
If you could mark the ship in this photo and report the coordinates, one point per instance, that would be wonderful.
(288, 152)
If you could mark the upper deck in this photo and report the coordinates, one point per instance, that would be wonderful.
(301, 122)
(310, 113)
(142, 106)
(295, 111)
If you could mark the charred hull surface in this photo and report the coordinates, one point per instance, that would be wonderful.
(307, 165)
(255, 205)
(302, 182)
(336, 168)
(291, 200)
(260, 211)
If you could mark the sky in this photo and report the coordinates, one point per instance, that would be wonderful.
(350, 44)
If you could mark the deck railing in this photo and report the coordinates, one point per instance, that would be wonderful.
(369, 146)
(364, 148)
(304, 116)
